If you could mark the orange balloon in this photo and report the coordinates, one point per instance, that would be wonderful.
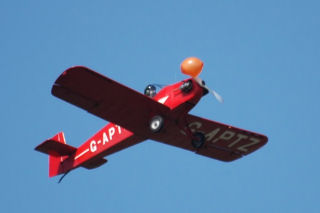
(191, 66)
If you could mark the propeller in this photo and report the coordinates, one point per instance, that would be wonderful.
(213, 92)
(192, 66)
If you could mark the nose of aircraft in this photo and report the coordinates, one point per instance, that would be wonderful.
(192, 66)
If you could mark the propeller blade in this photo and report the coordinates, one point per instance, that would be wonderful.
(215, 94)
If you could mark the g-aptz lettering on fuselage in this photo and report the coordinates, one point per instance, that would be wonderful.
(106, 137)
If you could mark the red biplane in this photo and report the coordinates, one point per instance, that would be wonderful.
(136, 117)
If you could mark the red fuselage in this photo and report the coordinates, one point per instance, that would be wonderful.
(112, 137)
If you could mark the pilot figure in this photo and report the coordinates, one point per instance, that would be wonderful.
(150, 91)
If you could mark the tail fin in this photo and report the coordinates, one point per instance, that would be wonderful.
(58, 151)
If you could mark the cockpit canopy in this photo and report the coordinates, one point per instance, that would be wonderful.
(150, 91)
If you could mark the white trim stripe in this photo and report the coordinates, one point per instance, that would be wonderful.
(82, 153)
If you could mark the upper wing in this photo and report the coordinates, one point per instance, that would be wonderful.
(107, 99)
(222, 142)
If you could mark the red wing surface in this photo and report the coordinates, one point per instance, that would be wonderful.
(222, 142)
(225, 142)
(107, 99)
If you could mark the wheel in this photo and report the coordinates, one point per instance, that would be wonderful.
(156, 123)
(198, 140)
(186, 86)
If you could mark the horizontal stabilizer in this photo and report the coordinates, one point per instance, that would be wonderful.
(55, 148)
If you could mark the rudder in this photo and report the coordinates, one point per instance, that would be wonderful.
(58, 151)
(55, 161)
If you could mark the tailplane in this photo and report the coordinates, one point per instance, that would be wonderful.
(58, 151)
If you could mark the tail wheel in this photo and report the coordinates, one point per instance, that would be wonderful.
(198, 140)
(156, 124)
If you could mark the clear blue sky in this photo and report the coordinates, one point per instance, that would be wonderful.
(261, 56)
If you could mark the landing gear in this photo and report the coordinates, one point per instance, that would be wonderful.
(198, 140)
(156, 123)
